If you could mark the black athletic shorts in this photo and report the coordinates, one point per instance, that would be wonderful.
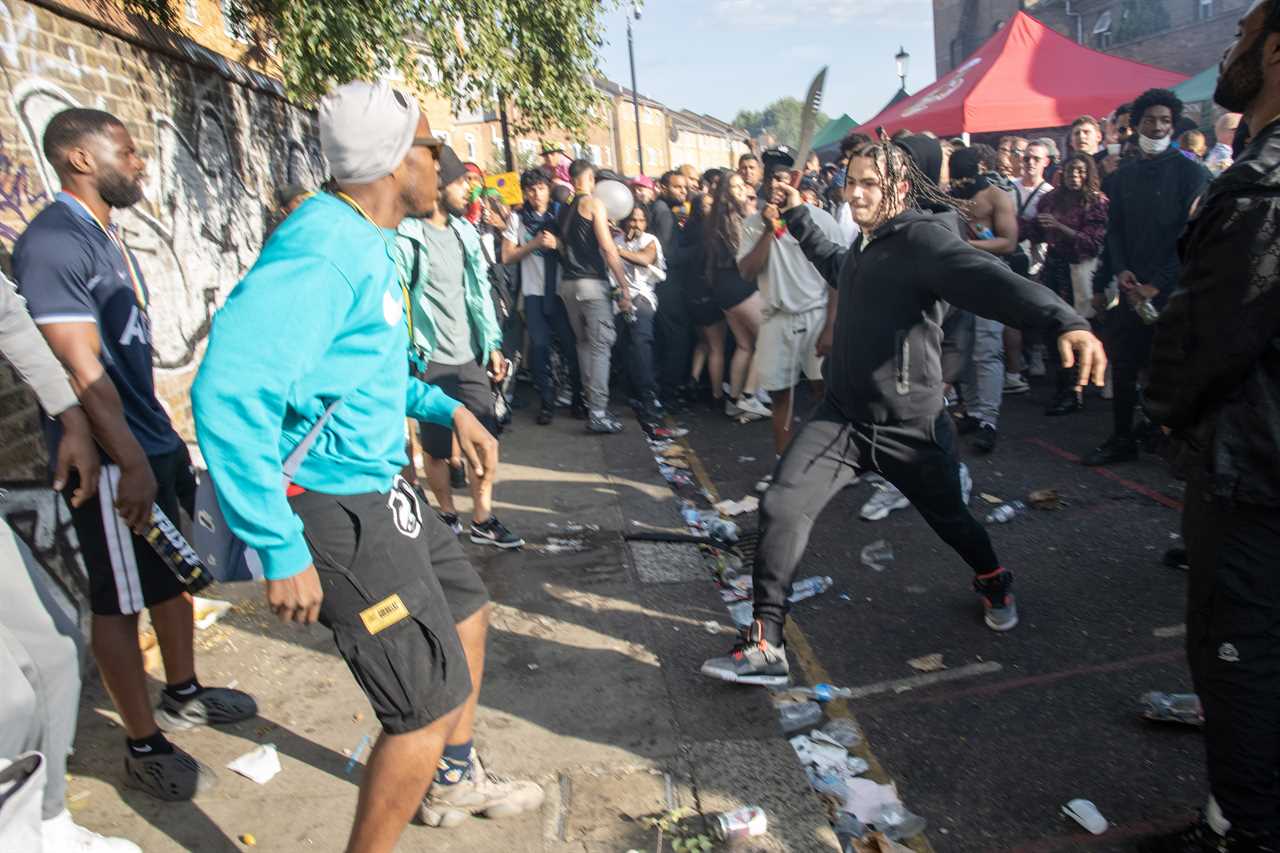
(468, 384)
(395, 581)
(126, 575)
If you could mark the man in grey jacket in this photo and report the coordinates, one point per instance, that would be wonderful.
(39, 640)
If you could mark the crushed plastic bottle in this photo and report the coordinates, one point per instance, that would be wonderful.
(877, 556)
(1182, 708)
(844, 732)
(722, 530)
(808, 588)
(897, 823)
(795, 716)
(1005, 513)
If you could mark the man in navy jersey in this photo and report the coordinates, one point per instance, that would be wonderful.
(86, 293)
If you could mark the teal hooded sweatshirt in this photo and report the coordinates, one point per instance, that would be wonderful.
(320, 317)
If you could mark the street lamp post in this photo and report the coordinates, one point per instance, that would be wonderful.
(635, 94)
(903, 61)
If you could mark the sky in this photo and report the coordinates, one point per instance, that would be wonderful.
(721, 56)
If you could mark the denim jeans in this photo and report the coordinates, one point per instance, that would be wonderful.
(637, 341)
(544, 327)
(983, 385)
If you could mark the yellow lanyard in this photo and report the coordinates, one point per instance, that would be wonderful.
(134, 274)
(408, 305)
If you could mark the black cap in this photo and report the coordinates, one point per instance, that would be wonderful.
(783, 155)
(451, 167)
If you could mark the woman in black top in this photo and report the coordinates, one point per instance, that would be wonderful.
(691, 258)
(737, 297)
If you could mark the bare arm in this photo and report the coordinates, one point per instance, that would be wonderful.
(643, 258)
(608, 250)
(79, 348)
(1004, 222)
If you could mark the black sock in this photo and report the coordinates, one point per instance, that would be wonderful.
(183, 690)
(156, 744)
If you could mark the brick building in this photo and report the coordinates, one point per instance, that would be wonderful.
(1186, 36)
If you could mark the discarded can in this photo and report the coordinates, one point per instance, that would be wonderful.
(1182, 708)
(1006, 512)
(795, 716)
(823, 692)
(808, 588)
(747, 822)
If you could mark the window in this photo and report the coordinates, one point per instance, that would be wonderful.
(595, 153)
(651, 155)
(527, 146)
(1204, 9)
(1102, 31)
(234, 30)
(470, 139)
(193, 11)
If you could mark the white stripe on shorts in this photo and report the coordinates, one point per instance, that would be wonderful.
(124, 563)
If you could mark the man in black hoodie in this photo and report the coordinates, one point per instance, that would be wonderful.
(883, 409)
(1215, 381)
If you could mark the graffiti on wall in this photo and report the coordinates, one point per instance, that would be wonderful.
(41, 520)
(211, 177)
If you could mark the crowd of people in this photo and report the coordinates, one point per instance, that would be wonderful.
(911, 284)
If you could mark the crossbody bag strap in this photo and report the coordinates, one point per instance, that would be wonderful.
(295, 458)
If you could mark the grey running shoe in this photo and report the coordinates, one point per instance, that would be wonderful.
(171, 776)
(211, 706)
(605, 424)
(754, 660)
(1001, 609)
(481, 793)
(886, 499)
(451, 521)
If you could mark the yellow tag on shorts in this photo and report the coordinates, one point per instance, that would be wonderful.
(384, 614)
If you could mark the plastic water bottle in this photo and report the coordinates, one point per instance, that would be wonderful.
(823, 692)
(722, 530)
(808, 588)
(1173, 708)
(795, 716)
(1007, 512)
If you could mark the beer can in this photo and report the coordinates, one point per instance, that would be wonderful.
(746, 822)
(164, 536)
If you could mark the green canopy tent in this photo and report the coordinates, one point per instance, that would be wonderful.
(1197, 94)
(826, 141)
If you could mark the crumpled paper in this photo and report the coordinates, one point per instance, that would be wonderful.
(260, 764)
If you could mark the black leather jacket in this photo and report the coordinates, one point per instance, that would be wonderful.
(1215, 373)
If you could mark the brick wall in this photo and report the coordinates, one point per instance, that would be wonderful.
(218, 139)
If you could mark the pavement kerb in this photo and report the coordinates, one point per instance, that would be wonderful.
(800, 646)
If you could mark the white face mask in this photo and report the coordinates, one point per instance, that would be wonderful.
(1153, 146)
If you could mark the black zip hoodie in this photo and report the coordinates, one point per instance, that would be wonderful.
(885, 365)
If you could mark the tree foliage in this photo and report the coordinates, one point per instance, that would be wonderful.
(781, 120)
(540, 55)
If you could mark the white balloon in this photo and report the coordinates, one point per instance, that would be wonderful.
(617, 198)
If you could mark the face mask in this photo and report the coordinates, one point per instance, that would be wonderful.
(1153, 146)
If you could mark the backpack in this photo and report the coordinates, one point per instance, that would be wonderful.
(227, 558)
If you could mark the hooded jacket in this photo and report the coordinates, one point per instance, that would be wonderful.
(1215, 368)
(885, 365)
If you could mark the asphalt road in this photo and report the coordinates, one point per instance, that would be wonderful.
(990, 759)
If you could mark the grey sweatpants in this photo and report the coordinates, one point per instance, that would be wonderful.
(39, 668)
(591, 316)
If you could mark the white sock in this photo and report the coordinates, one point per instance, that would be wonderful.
(1215, 818)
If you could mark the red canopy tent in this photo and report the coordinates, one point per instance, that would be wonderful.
(1025, 76)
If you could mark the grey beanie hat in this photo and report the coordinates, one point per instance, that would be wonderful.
(366, 129)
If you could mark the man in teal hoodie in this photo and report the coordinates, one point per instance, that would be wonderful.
(320, 320)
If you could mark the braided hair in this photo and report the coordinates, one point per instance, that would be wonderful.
(893, 166)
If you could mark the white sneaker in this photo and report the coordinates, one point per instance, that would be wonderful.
(886, 499)
(764, 397)
(763, 484)
(731, 409)
(61, 834)
(1035, 365)
(1015, 384)
(753, 407)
